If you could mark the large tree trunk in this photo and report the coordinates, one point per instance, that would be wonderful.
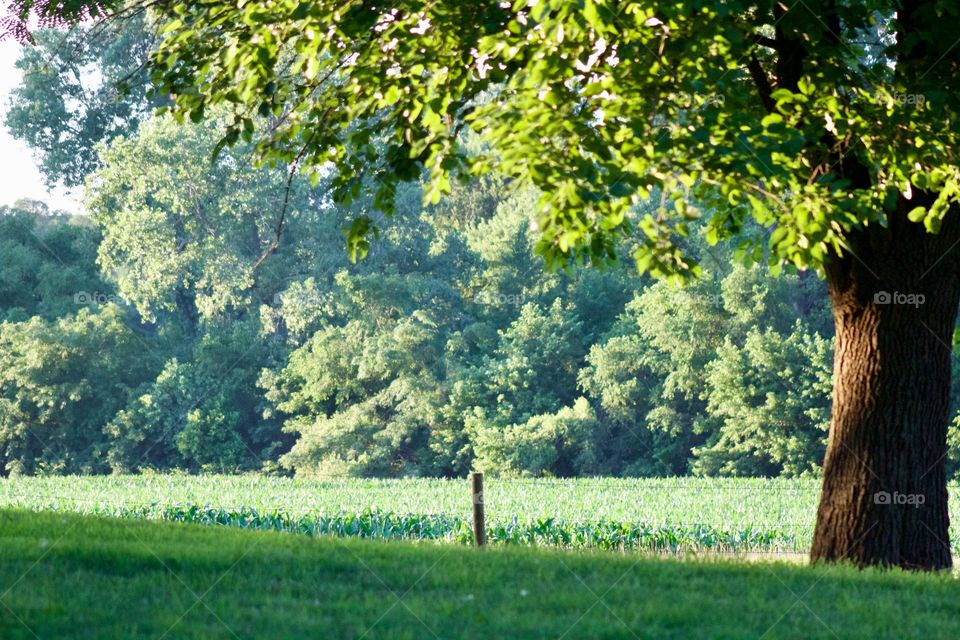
(895, 299)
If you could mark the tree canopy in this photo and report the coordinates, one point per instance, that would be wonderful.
(79, 88)
(815, 120)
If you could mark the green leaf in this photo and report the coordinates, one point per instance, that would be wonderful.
(771, 119)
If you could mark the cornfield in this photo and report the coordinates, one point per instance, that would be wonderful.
(665, 515)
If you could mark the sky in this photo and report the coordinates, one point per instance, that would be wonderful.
(19, 177)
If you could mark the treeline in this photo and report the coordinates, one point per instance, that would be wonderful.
(205, 317)
(145, 337)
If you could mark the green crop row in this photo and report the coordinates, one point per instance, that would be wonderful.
(600, 534)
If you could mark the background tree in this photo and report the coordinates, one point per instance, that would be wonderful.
(60, 382)
(774, 421)
(81, 87)
(46, 262)
(178, 232)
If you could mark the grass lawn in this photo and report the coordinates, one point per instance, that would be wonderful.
(70, 576)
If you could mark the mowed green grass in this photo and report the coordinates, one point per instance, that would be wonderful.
(70, 576)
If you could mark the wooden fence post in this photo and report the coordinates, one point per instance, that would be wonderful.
(479, 526)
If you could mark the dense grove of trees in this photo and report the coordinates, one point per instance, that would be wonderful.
(138, 339)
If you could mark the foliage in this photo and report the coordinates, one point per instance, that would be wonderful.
(22, 16)
(773, 396)
(803, 118)
(46, 263)
(560, 443)
(449, 347)
(80, 87)
(175, 235)
(60, 382)
(200, 414)
(432, 356)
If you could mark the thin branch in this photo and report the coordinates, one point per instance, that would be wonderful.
(278, 231)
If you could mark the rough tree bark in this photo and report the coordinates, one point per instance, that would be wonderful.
(895, 300)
